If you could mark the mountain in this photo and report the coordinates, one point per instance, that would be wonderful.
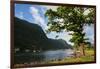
(59, 44)
(31, 36)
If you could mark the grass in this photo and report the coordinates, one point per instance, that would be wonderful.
(89, 57)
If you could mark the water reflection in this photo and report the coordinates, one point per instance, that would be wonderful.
(38, 57)
(57, 54)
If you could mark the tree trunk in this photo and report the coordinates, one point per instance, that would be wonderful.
(75, 52)
(82, 49)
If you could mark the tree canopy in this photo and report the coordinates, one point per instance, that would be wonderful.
(71, 19)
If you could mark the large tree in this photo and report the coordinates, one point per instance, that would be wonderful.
(71, 19)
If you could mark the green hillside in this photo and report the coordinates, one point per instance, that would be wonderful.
(31, 36)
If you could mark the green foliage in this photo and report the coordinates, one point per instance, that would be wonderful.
(71, 19)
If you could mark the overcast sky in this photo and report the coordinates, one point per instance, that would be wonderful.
(35, 14)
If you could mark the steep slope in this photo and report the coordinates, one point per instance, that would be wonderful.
(31, 36)
(28, 35)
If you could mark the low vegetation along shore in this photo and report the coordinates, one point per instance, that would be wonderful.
(89, 57)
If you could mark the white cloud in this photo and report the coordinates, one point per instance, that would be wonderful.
(43, 10)
(62, 35)
(89, 30)
(66, 36)
(91, 38)
(36, 14)
(33, 10)
(37, 17)
(20, 15)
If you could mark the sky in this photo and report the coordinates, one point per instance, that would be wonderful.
(36, 14)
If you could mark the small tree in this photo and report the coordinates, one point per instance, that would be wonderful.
(71, 19)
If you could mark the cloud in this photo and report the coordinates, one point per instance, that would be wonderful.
(36, 14)
(62, 35)
(43, 9)
(33, 10)
(66, 37)
(91, 39)
(20, 15)
(89, 32)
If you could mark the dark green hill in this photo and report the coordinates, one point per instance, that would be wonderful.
(31, 36)
(59, 44)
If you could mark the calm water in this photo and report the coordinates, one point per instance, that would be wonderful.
(57, 54)
(50, 55)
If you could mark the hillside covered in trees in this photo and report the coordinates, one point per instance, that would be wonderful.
(29, 36)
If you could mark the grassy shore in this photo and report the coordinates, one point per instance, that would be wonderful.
(87, 58)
